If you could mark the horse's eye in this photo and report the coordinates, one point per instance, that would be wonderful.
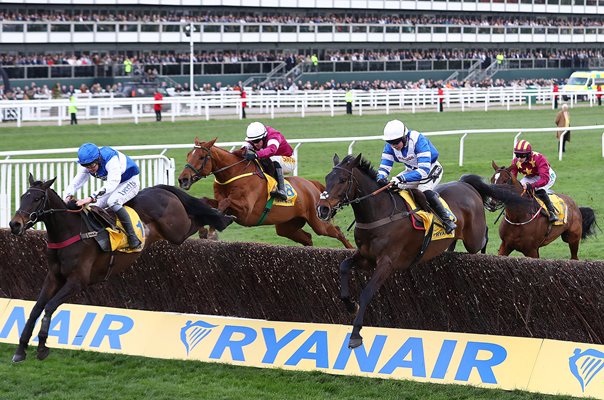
(342, 180)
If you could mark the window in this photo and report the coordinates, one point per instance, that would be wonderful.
(288, 28)
(105, 27)
(37, 28)
(211, 28)
(149, 28)
(232, 29)
(83, 28)
(251, 28)
(60, 28)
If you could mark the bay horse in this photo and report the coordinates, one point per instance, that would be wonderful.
(75, 262)
(525, 229)
(240, 189)
(384, 234)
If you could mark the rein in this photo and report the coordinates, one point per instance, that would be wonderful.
(198, 175)
(41, 211)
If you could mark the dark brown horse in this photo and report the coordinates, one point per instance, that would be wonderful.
(240, 190)
(166, 212)
(525, 229)
(385, 236)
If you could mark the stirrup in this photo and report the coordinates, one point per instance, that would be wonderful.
(279, 195)
(552, 217)
(450, 226)
(136, 240)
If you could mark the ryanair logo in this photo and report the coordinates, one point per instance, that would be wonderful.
(585, 365)
(193, 333)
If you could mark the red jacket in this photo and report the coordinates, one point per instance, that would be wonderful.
(157, 97)
(243, 96)
(537, 165)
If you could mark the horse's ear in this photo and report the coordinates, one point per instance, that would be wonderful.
(211, 142)
(48, 183)
(495, 167)
(336, 160)
(357, 160)
(197, 141)
(31, 179)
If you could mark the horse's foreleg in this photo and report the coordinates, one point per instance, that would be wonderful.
(383, 270)
(345, 267)
(72, 286)
(504, 250)
(574, 249)
(46, 293)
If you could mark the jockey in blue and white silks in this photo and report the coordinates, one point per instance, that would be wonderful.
(422, 169)
(121, 176)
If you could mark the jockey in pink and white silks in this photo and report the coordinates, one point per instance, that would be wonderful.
(268, 143)
(122, 183)
(422, 169)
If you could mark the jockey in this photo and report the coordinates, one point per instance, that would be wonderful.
(268, 143)
(422, 169)
(121, 178)
(538, 174)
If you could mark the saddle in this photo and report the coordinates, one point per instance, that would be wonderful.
(103, 226)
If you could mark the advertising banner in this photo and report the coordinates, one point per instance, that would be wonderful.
(440, 357)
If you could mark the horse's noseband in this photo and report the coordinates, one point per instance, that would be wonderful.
(198, 175)
(35, 215)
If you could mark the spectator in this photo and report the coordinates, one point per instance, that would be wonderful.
(127, 66)
(349, 97)
(599, 94)
(157, 106)
(243, 102)
(555, 91)
(441, 99)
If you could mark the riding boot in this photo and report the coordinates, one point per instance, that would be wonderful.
(440, 211)
(279, 192)
(542, 194)
(133, 240)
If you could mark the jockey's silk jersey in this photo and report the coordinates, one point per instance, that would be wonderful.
(274, 145)
(418, 155)
(114, 168)
(537, 165)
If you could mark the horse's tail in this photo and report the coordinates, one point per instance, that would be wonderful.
(589, 222)
(318, 185)
(200, 210)
(501, 193)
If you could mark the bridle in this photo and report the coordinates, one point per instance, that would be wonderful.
(347, 201)
(501, 204)
(204, 160)
(41, 210)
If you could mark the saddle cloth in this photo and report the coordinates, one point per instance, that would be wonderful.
(111, 235)
(422, 219)
(292, 195)
(560, 206)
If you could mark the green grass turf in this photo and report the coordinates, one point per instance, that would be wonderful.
(77, 375)
(579, 174)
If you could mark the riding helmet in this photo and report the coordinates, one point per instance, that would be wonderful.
(255, 131)
(88, 153)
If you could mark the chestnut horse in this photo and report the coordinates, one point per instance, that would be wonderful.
(240, 190)
(525, 229)
(74, 261)
(384, 234)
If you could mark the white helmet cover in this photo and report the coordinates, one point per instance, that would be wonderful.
(394, 129)
(255, 131)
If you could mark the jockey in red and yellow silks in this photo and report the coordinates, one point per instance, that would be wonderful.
(538, 174)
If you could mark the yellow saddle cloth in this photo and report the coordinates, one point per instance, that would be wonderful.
(428, 218)
(560, 206)
(119, 239)
(292, 195)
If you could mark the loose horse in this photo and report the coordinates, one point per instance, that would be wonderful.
(524, 229)
(240, 190)
(166, 212)
(385, 236)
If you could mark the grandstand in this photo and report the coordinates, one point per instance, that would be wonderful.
(273, 46)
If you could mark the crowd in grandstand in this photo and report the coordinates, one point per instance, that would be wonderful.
(579, 56)
(292, 18)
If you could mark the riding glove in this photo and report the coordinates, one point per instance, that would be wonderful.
(529, 188)
(398, 182)
(250, 156)
(382, 182)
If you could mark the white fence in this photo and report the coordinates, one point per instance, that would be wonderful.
(156, 169)
(270, 103)
(14, 173)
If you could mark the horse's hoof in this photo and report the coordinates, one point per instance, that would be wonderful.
(19, 356)
(212, 236)
(354, 343)
(43, 353)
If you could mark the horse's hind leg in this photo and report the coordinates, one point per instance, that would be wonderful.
(573, 239)
(292, 229)
(486, 241)
(48, 290)
(452, 246)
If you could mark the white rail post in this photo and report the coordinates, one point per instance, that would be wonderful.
(561, 145)
(353, 142)
(461, 148)
(296, 157)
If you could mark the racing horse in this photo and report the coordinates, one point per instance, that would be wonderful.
(525, 229)
(75, 260)
(240, 189)
(384, 234)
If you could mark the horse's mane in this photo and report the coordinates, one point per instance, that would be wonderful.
(364, 166)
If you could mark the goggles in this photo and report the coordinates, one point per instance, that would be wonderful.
(89, 165)
(394, 142)
(521, 155)
(255, 141)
